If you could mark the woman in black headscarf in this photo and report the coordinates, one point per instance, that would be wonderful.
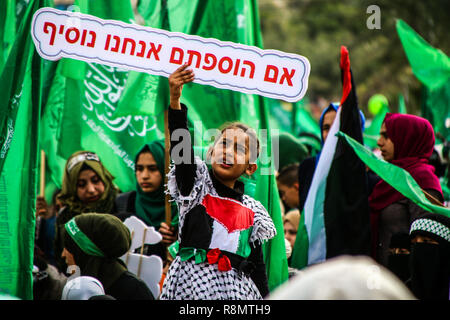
(94, 242)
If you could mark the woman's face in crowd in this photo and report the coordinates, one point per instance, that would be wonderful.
(147, 174)
(385, 144)
(289, 194)
(89, 186)
(423, 239)
(328, 120)
(290, 233)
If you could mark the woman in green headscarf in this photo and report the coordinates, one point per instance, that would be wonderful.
(94, 242)
(87, 187)
(148, 201)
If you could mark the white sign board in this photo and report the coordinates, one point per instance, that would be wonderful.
(221, 64)
(148, 268)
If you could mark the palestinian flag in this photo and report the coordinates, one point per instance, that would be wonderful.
(336, 208)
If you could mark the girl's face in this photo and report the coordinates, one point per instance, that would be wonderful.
(230, 157)
(89, 186)
(147, 174)
(385, 144)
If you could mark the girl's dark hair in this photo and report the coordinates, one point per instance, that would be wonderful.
(288, 175)
(254, 144)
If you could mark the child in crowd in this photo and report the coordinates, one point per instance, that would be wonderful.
(288, 186)
(221, 230)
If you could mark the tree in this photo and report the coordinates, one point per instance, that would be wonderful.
(317, 29)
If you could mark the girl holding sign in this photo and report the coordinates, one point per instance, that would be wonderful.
(218, 253)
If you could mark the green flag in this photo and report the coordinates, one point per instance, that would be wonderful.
(435, 108)
(397, 177)
(146, 94)
(81, 114)
(432, 67)
(281, 115)
(7, 28)
(20, 96)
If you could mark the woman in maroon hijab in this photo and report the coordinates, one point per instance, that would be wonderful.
(406, 141)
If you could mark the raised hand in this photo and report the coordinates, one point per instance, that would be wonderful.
(176, 81)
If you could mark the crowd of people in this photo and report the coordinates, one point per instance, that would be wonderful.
(216, 233)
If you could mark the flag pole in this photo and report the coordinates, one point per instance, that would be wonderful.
(432, 199)
(166, 165)
(42, 179)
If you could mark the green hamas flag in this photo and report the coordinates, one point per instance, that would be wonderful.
(145, 94)
(432, 67)
(20, 96)
(7, 28)
(397, 177)
(80, 110)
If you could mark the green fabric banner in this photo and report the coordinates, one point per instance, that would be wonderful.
(20, 96)
(7, 28)
(397, 177)
(436, 109)
(432, 67)
(80, 108)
